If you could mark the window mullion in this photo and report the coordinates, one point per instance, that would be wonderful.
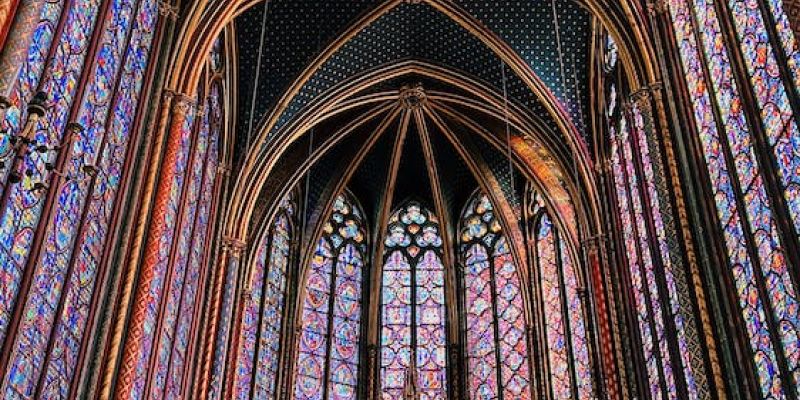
(325, 378)
(262, 300)
(496, 319)
(565, 311)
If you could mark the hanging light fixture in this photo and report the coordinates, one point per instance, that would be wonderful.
(21, 144)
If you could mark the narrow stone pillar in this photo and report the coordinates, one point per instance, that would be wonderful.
(222, 335)
(159, 240)
(609, 375)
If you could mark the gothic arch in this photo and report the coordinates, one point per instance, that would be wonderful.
(208, 18)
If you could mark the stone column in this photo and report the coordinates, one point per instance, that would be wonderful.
(158, 241)
(222, 310)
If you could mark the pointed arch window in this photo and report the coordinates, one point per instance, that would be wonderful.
(327, 364)
(565, 336)
(413, 315)
(260, 343)
(498, 365)
(747, 128)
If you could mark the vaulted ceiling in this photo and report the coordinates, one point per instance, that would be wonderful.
(285, 78)
(297, 31)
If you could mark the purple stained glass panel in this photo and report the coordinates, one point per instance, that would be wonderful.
(119, 58)
(555, 326)
(328, 348)
(194, 274)
(493, 303)
(634, 269)
(759, 215)
(577, 326)
(413, 337)
(22, 211)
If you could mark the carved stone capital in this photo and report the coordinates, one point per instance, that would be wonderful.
(657, 7)
(168, 94)
(645, 95)
(224, 169)
(234, 245)
(165, 9)
(603, 166)
(182, 103)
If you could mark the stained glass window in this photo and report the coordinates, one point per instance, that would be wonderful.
(177, 264)
(57, 303)
(746, 209)
(646, 329)
(58, 77)
(327, 362)
(556, 277)
(257, 366)
(413, 336)
(498, 365)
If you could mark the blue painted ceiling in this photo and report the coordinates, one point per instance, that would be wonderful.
(298, 30)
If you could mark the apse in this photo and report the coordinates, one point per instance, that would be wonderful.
(399, 199)
(409, 283)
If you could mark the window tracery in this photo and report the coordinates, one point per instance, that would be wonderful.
(413, 314)
(497, 355)
(327, 364)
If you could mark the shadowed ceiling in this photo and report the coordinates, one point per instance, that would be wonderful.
(298, 30)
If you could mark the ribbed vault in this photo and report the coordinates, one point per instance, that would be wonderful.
(547, 89)
(422, 138)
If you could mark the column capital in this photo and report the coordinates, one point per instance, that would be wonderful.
(182, 103)
(657, 7)
(165, 9)
(643, 96)
(224, 168)
(179, 99)
(234, 245)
